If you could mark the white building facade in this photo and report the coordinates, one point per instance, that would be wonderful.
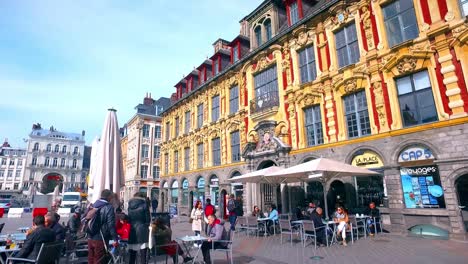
(12, 167)
(54, 158)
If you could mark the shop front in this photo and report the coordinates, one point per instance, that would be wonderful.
(214, 190)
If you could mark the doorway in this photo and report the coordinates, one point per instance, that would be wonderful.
(336, 196)
(461, 185)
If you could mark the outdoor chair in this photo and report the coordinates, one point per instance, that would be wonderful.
(227, 249)
(48, 252)
(252, 224)
(349, 230)
(160, 254)
(378, 222)
(357, 225)
(242, 224)
(285, 217)
(310, 231)
(285, 228)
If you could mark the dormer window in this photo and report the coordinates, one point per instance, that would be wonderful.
(235, 53)
(267, 25)
(293, 13)
(202, 76)
(216, 66)
(258, 35)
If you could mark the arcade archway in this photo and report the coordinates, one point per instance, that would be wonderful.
(50, 181)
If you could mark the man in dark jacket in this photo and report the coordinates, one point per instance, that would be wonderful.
(52, 223)
(374, 215)
(74, 222)
(232, 206)
(320, 228)
(154, 205)
(139, 216)
(41, 234)
(215, 232)
(106, 216)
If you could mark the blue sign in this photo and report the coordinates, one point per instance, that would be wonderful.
(436, 190)
(421, 187)
(415, 153)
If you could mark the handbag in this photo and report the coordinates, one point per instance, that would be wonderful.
(190, 220)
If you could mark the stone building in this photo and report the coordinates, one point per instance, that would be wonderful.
(379, 84)
(140, 139)
(55, 158)
(12, 166)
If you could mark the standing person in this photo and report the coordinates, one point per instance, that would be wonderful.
(216, 231)
(239, 206)
(373, 213)
(139, 216)
(74, 222)
(209, 210)
(197, 218)
(232, 205)
(34, 240)
(154, 204)
(52, 223)
(341, 219)
(101, 216)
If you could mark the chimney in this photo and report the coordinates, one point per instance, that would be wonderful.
(83, 133)
(148, 100)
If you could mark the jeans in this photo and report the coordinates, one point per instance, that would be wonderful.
(232, 221)
(96, 252)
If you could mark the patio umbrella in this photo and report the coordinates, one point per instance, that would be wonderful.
(92, 167)
(256, 176)
(108, 160)
(323, 169)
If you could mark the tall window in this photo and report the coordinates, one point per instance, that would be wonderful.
(200, 156)
(146, 130)
(234, 99)
(62, 163)
(215, 108)
(216, 151)
(156, 172)
(347, 48)
(416, 99)
(266, 89)
(156, 152)
(357, 117)
(36, 147)
(293, 13)
(202, 75)
(464, 7)
(74, 163)
(400, 22)
(55, 162)
(215, 66)
(34, 161)
(235, 146)
(313, 125)
(17, 173)
(64, 149)
(144, 171)
(307, 64)
(168, 130)
(57, 148)
(187, 122)
(73, 177)
(186, 159)
(144, 151)
(235, 53)
(176, 126)
(10, 174)
(258, 35)
(49, 148)
(267, 25)
(176, 161)
(4, 161)
(199, 115)
(2, 173)
(75, 151)
(166, 163)
(157, 132)
(47, 162)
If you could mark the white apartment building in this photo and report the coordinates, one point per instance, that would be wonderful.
(54, 158)
(12, 167)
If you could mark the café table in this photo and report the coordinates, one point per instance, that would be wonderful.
(332, 225)
(14, 236)
(363, 218)
(6, 253)
(263, 221)
(187, 243)
(23, 229)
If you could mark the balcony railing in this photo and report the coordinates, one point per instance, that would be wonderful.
(264, 102)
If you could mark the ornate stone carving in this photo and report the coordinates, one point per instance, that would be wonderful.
(263, 63)
(253, 136)
(379, 102)
(406, 65)
(350, 86)
(286, 64)
(266, 143)
(449, 16)
(424, 47)
(366, 21)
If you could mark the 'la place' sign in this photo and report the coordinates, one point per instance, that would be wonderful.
(367, 159)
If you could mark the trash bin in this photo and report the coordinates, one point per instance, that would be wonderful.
(164, 218)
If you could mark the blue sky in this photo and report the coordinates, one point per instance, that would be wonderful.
(64, 63)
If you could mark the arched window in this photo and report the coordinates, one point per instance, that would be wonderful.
(258, 35)
(75, 151)
(64, 149)
(62, 163)
(36, 146)
(175, 192)
(49, 148)
(47, 161)
(267, 25)
(34, 160)
(74, 164)
(73, 177)
(54, 162)
(57, 148)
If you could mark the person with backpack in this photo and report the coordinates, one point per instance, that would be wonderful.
(232, 205)
(139, 216)
(100, 228)
(209, 210)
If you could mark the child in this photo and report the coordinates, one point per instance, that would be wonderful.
(123, 227)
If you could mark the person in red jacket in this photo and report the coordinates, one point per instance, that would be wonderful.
(209, 210)
(123, 227)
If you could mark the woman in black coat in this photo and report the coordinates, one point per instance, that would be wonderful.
(139, 216)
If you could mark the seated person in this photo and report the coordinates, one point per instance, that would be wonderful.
(257, 212)
(373, 212)
(310, 209)
(298, 213)
(341, 219)
(36, 238)
(52, 223)
(215, 233)
(320, 227)
(165, 245)
(123, 227)
(272, 218)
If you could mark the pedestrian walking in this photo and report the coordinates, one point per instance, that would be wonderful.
(232, 205)
(154, 205)
(139, 216)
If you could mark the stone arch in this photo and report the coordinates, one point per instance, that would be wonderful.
(233, 126)
(172, 182)
(307, 158)
(50, 181)
(234, 172)
(414, 141)
(265, 164)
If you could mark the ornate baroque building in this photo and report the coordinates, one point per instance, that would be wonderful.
(140, 139)
(375, 83)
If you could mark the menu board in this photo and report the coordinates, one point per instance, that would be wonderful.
(421, 187)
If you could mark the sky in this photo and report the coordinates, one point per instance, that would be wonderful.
(63, 63)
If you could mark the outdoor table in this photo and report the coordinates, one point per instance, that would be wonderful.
(7, 252)
(23, 229)
(300, 224)
(16, 236)
(363, 218)
(263, 221)
(331, 224)
(188, 241)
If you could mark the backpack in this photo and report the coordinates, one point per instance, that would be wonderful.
(231, 206)
(92, 223)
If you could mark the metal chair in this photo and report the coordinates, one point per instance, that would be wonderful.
(252, 224)
(309, 230)
(242, 224)
(285, 228)
(378, 222)
(227, 249)
(48, 252)
(357, 225)
(160, 254)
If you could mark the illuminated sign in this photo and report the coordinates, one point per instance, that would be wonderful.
(368, 159)
(201, 183)
(185, 184)
(415, 153)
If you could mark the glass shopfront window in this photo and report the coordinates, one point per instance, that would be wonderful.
(185, 192)
(199, 194)
(214, 190)
(174, 192)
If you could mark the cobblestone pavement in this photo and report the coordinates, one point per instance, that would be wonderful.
(384, 248)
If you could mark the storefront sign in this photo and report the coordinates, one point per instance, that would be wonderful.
(201, 183)
(165, 185)
(415, 153)
(175, 184)
(214, 181)
(421, 187)
(368, 159)
(185, 184)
